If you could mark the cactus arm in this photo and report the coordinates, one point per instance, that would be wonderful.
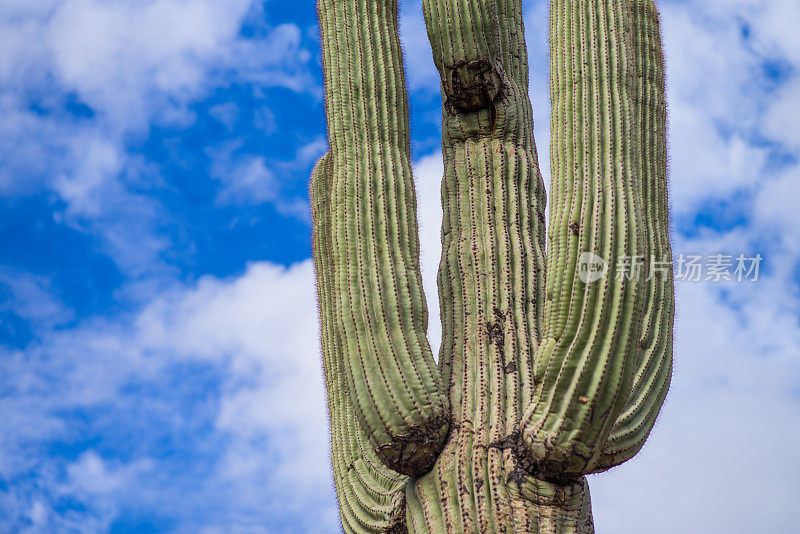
(379, 308)
(586, 361)
(371, 496)
(493, 200)
(654, 369)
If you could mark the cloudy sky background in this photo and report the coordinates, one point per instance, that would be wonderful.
(159, 363)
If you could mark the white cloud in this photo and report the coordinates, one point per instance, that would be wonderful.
(98, 163)
(771, 24)
(249, 182)
(421, 73)
(262, 326)
(92, 475)
(121, 57)
(783, 117)
(267, 449)
(284, 66)
(719, 166)
(132, 64)
(776, 207)
(428, 174)
(31, 297)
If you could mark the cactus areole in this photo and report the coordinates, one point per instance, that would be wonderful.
(544, 376)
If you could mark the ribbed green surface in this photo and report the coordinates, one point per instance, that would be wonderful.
(585, 364)
(542, 379)
(654, 366)
(490, 278)
(371, 496)
(380, 310)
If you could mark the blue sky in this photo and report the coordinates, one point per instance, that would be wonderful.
(159, 364)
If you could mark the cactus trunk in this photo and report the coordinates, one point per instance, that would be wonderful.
(543, 377)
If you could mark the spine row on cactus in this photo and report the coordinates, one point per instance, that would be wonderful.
(585, 363)
(371, 496)
(654, 366)
(379, 310)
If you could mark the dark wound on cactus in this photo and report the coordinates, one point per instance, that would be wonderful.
(541, 378)
(471, 85)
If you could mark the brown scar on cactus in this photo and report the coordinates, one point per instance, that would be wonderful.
(495, 329)
(413, 454)
(472, 85)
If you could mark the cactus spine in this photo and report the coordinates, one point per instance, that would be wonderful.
(542, 378)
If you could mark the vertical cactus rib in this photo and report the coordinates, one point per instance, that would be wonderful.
(371, 496)
(380, 313)
(585, 363)
(654, 368)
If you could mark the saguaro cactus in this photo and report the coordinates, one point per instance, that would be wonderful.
(544, 376)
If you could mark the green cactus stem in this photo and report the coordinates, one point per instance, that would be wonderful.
(654, 364)
(371, 496)
(585, 363)
(543, 376)
(379, 308)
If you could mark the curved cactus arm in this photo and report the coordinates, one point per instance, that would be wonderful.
(371, 496)
(654, 368)
(584, 367)
(379, 307)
